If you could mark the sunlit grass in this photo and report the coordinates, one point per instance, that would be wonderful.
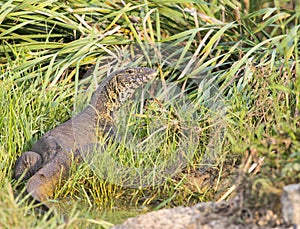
(236, 61)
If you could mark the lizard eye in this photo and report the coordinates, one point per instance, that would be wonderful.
(130, 71)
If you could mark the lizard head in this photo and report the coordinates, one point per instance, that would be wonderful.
(129, 79)
(119, 87)
(132, 78)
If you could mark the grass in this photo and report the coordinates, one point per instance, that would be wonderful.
(237, 64)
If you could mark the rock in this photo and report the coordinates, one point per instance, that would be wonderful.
(290, 201)
(176, 218)
(204, 215)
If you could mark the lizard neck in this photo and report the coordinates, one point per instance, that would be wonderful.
(113, 92)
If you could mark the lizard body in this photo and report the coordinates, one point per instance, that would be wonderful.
(50, 158)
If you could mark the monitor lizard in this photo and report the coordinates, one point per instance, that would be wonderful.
(49, 160)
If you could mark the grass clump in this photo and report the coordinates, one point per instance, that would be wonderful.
(235, 63)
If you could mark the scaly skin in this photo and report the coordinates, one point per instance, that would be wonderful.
(50, 158)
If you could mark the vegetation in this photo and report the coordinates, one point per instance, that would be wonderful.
(236, 61)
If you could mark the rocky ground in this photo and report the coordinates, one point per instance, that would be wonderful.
(230, 215)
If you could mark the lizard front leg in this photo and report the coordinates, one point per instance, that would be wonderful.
(31, 161)
(44, 165)
(42, 184)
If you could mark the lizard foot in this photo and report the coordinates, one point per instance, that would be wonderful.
(29, 162)
(42, 184)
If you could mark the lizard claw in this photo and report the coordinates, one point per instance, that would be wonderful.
(29, 162)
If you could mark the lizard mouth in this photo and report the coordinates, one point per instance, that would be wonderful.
(152, 74)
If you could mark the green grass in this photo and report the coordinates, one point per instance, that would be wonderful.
(238, 64)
